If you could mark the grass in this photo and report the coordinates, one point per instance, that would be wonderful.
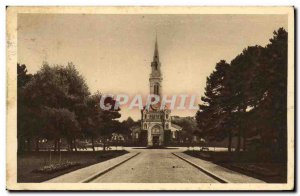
(247, 163)
(34, 166)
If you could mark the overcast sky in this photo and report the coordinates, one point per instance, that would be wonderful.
(114, 52)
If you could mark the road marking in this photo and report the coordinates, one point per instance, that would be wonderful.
(221, 180)
(93, 177)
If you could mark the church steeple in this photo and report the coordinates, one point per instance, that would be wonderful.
(155, 76)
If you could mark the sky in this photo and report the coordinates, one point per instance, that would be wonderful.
(114, 52)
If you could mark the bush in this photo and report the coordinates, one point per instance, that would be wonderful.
(55, 167)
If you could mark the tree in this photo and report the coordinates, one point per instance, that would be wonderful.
(273, 106)
(61, 123)
(102, 123)
(55, 87)
(189, 126)
(215, 117)
(126, 126)
(110, 125)
(93, 118)
(246, 91)
(248, 97)
(22, 77)
(260, 86)
(85, 116)
(24, 114)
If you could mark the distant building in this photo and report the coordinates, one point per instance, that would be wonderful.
(174, 118)
(175, 130)
(139, 136)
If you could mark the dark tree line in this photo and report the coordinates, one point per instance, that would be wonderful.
(247, 98)
(55, 104)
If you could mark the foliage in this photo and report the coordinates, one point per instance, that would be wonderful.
(126, 126)
(189, 127)
(247, 97)
(55, 103)
(101, 123)
(61, 123)
(56, 86)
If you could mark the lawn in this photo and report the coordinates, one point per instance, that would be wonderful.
(30, 164)
(247, 163)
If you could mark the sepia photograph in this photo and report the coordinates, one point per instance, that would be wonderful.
(150, 98)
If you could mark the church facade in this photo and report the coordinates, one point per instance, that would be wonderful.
(156, 122)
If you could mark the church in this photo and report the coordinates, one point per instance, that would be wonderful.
(156, 128)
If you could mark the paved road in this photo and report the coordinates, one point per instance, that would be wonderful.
(155, 166)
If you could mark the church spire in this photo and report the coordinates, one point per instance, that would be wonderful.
(155, 76)
(156, 55)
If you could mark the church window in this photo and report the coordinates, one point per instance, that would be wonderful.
(145, 126)
(136, 135)
(156, 89)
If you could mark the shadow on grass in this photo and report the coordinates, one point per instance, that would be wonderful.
(250, 164)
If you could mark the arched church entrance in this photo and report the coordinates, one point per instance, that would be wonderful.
(156, 134)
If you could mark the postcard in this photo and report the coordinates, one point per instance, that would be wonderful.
(150, 98)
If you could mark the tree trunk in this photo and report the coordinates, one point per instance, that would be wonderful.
(229, 141)
(71, 145)
(58, 145)
(37, 145)
(75, 147)
(55, 145)
(104, 144)
(244, 141)
(28, 144)
(239, 141)
(238, 148)
(244, 133)
(20, 145)
(93, 144)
